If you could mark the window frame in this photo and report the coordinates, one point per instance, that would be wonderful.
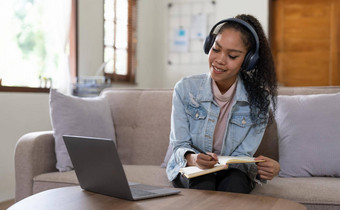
(23, 89)
(131, 48)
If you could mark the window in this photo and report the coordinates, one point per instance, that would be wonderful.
(35, 44)
(120, 39)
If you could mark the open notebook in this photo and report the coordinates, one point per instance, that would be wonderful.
(224, 161)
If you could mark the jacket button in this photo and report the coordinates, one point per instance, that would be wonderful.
(197, 115)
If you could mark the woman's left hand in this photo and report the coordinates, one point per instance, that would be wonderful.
(267, 169)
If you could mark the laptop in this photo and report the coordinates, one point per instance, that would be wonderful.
(99, 169)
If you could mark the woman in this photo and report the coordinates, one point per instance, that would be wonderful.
(226, 111)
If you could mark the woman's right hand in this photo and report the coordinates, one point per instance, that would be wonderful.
(201, 160)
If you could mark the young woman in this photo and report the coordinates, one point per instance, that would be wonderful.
(226, 111)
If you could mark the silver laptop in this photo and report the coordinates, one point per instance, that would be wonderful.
(98, 168)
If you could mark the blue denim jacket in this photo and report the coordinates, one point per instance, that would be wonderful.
(193, 119)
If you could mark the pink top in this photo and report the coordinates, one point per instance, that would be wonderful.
(224, 101)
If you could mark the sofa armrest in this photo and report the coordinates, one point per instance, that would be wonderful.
(34, 155)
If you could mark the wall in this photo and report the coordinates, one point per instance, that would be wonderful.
(150, 36)
(152, 33)
(25, 112)
(20, 113)
(90, 36)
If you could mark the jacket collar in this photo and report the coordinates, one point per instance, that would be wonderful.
(205, 90)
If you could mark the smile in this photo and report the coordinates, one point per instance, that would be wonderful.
(219, 70)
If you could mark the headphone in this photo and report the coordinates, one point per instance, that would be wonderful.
(250, 60)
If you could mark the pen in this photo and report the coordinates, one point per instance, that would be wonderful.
(201, 151)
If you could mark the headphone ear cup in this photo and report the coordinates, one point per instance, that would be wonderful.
(246, 60)
(250, 61)
(209, 41)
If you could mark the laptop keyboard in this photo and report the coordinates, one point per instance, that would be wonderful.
(139, 192)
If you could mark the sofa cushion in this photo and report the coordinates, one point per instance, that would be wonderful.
(78, 116)
(142, 121)
(53, 180)
(309, 135)
(144, 174)
(147, 174)
(306, 190)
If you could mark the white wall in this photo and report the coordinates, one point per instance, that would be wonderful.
(258, 8)
(21, 113)
(90, 36)
(150, 42)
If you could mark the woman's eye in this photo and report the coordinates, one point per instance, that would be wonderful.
(232, 57)
(215, 50)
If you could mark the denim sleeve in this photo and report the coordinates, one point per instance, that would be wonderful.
(179, 134)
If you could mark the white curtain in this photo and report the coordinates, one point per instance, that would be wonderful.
(56, 23)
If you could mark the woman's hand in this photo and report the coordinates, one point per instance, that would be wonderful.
(267, 169)
(201, 160)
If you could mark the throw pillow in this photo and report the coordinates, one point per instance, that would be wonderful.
(309, 135)
(78, 116)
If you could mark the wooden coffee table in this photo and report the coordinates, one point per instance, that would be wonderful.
(75, 198)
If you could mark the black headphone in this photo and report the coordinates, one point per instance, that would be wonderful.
(250, 60)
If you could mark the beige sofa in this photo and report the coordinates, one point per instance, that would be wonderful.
(142, 125)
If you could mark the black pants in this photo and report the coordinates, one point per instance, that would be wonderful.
(231, 180)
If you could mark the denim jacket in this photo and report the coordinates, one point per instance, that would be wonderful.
(194, 117)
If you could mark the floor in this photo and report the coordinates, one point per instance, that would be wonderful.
(4, 205)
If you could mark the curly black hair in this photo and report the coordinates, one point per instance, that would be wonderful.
(260, 83)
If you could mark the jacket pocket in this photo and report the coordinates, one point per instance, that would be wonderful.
(197, 116)
(239, 127)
